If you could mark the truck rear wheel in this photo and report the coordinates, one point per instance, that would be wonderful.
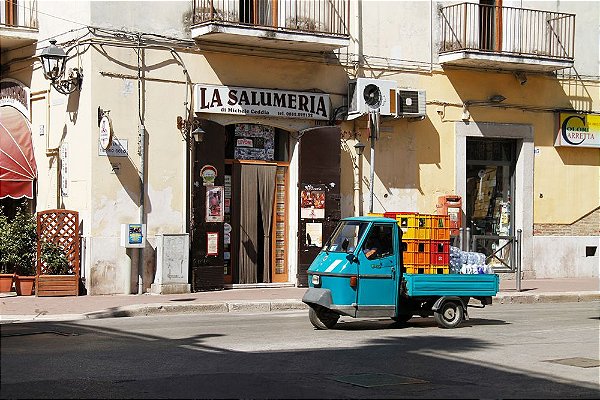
(322, 318)
(450, 315)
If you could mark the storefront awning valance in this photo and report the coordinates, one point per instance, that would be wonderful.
(18, 169)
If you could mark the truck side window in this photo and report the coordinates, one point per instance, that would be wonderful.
(379, 242)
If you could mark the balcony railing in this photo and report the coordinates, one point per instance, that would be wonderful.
(507, 30)
(328, 17)
(19, 14)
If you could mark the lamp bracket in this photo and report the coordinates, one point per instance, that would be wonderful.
(70, 84)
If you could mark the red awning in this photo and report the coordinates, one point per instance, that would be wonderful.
(17, 162)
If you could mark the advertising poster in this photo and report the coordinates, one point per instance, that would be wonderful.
(254, 142)
(314, 234)
(312, 204)
(212, 243)
(135, 233)
(214, 204)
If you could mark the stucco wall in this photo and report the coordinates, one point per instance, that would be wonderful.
(565, 256)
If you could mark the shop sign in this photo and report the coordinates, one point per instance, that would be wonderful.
(578, 130)
(260, 102)
(14, 93)
(118, 148)
(208, 174)
(105, 133)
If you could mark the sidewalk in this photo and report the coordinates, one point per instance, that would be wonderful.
(30, 308)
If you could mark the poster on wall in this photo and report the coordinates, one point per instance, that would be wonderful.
(214, 204)
(212, 243)
(314, 234)
(254, 142)
(312, 204)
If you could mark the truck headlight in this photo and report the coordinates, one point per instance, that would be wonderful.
(316, 280)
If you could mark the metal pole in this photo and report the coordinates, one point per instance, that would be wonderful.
(372, 178)
(357, 187)
(519, 234)
(142, 173)
(461, 234)
(468, 239)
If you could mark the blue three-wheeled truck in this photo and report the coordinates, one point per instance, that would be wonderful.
(359, 273)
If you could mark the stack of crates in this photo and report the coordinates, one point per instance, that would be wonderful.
(427, 240)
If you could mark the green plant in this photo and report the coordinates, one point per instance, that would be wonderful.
(55, 259)
(18, 243)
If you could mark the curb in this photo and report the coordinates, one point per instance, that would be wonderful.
(250, 306)
(557, 297)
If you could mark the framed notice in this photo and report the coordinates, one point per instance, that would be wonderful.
(214, 204)
(314, 234)
(212, 243)
(312, 204)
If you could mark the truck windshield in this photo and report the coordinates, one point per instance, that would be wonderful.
(346, 236)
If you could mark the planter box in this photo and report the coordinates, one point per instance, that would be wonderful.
(57, 285)
(24, 285)
(6, 282)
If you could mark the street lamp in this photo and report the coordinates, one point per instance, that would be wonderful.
(359, 148)
(53, 60)
(198, 134)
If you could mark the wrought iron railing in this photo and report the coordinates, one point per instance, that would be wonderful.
(486, 28)
(316, 16)
(19, 13)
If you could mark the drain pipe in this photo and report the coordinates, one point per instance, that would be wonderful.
(142, 153)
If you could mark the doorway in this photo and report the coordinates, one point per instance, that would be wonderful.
(490, 194)
(256, 210)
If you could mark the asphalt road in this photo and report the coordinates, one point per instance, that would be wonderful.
(503, 351)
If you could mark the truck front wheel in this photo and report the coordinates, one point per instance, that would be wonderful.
(450, 315)
(322, 318)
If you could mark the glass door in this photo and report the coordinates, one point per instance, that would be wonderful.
(490, 196)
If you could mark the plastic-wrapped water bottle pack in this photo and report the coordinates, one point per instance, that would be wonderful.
(468, 262)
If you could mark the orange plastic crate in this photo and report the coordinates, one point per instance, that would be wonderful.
(440, 227)
(417, 252)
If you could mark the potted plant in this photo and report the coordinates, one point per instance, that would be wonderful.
(18, 248)
(6, 274)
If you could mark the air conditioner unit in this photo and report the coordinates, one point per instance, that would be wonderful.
(366, 94)
(411, 103)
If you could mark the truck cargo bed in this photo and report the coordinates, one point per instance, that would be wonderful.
(476, 285)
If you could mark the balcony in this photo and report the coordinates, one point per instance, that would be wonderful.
(18, 23)
(304, 25)
(506, 38)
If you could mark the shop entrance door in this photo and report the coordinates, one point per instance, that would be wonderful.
(490, 198)
(256, 244)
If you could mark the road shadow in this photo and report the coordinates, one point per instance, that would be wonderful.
(81, 360)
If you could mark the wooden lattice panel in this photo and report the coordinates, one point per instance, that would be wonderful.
(60, 227)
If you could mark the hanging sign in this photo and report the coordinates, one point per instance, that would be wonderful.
(260, 102)
(578, 130)
(105, 133)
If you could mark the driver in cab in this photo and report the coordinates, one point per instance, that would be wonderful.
(378, 243)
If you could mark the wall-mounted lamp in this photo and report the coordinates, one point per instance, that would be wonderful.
(198, 134)
(53, 60)
(359, 148)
